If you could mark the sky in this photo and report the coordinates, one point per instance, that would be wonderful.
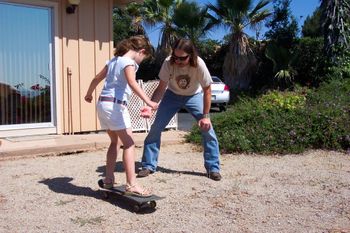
(17, 49)
(300, 9)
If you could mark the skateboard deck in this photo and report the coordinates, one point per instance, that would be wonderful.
(137, 203)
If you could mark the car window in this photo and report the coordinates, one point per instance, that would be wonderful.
(215, 79)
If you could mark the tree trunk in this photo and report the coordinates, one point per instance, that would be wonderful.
(239, 64)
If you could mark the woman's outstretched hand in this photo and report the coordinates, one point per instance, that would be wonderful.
(146, 112)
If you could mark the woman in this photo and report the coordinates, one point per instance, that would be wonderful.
(184, 83)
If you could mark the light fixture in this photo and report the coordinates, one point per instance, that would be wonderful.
(72, 4)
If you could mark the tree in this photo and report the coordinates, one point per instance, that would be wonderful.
(126, 23)
(160, 13)
(283, 26)
(336, 26)
(192, 21)
(237, 16)
(213, 53)
(282, 60)
(312, 25)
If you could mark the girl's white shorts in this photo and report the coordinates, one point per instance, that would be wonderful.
(113, 116)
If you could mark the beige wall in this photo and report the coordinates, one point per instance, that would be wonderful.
(86, 42)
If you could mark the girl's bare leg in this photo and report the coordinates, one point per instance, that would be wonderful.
(129, 160)
(111, 157)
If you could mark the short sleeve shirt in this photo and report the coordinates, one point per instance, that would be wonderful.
(186, 80)
(116, 84)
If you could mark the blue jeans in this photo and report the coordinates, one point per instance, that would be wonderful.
(169, 106)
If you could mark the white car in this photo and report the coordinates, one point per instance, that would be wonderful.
(220, 94)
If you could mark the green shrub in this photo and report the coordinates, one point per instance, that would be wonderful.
(342, 70)
(283, 100)
(310, 64)
(289, 122)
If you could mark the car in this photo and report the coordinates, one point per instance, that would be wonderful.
(220, 94)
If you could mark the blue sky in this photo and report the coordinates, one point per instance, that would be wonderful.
(25, 37)
(300, 9)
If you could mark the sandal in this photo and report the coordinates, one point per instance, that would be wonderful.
(142, 193)
(104, 185)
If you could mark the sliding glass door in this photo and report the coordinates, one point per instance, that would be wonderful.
(26, 66)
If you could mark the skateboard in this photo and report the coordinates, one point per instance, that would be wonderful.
(137, 203)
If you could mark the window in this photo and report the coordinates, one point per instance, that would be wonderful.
(26, 59)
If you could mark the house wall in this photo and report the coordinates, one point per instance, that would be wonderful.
(86, 45)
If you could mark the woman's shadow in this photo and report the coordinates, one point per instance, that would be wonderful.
(119, 168)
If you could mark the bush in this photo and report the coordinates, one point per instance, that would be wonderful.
(283, 100)
(310, 64)
(286, 122)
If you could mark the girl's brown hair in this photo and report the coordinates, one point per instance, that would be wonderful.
(135, 43)
(187, 46)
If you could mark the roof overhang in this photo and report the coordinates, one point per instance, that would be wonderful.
(123, 3)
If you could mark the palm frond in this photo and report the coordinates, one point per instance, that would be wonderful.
(282, 61)
(260, 16)
(261, 4)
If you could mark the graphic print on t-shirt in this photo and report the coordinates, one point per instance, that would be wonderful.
(183, 81)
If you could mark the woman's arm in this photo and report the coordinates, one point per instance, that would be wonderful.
(206, 99)
(205, 123)
(159, 91)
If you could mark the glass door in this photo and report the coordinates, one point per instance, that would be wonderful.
(26, 66)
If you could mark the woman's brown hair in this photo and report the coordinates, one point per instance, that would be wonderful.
(187, 46)
(135, 43)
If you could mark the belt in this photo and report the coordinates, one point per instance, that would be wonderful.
(112, 99)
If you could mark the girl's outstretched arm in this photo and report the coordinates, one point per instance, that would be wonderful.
(98, 78)
(131, 79)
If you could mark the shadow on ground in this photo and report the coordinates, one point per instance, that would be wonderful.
(167, 170)
(120, 168)
(64, 185)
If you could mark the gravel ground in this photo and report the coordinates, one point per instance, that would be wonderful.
(291, 193)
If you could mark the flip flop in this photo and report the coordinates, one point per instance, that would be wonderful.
(104, 185)
(143, 193)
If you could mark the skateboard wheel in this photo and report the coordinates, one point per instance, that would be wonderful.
(136, 208)
(153, 204)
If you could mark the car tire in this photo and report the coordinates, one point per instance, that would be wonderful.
(222, 108)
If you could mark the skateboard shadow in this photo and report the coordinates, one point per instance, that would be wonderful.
(64, 185)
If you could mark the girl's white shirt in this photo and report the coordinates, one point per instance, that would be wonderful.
(116, 84)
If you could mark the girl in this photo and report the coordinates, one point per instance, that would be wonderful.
(120, 74)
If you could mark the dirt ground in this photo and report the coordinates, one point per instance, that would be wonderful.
(292, 193)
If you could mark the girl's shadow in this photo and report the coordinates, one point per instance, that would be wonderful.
(64, 185)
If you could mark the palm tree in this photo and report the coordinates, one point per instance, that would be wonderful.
(237, 15)
(282, 60)
(175, 18)
(336, 20)
(160, 13)
(133, 10)
(192, 21)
